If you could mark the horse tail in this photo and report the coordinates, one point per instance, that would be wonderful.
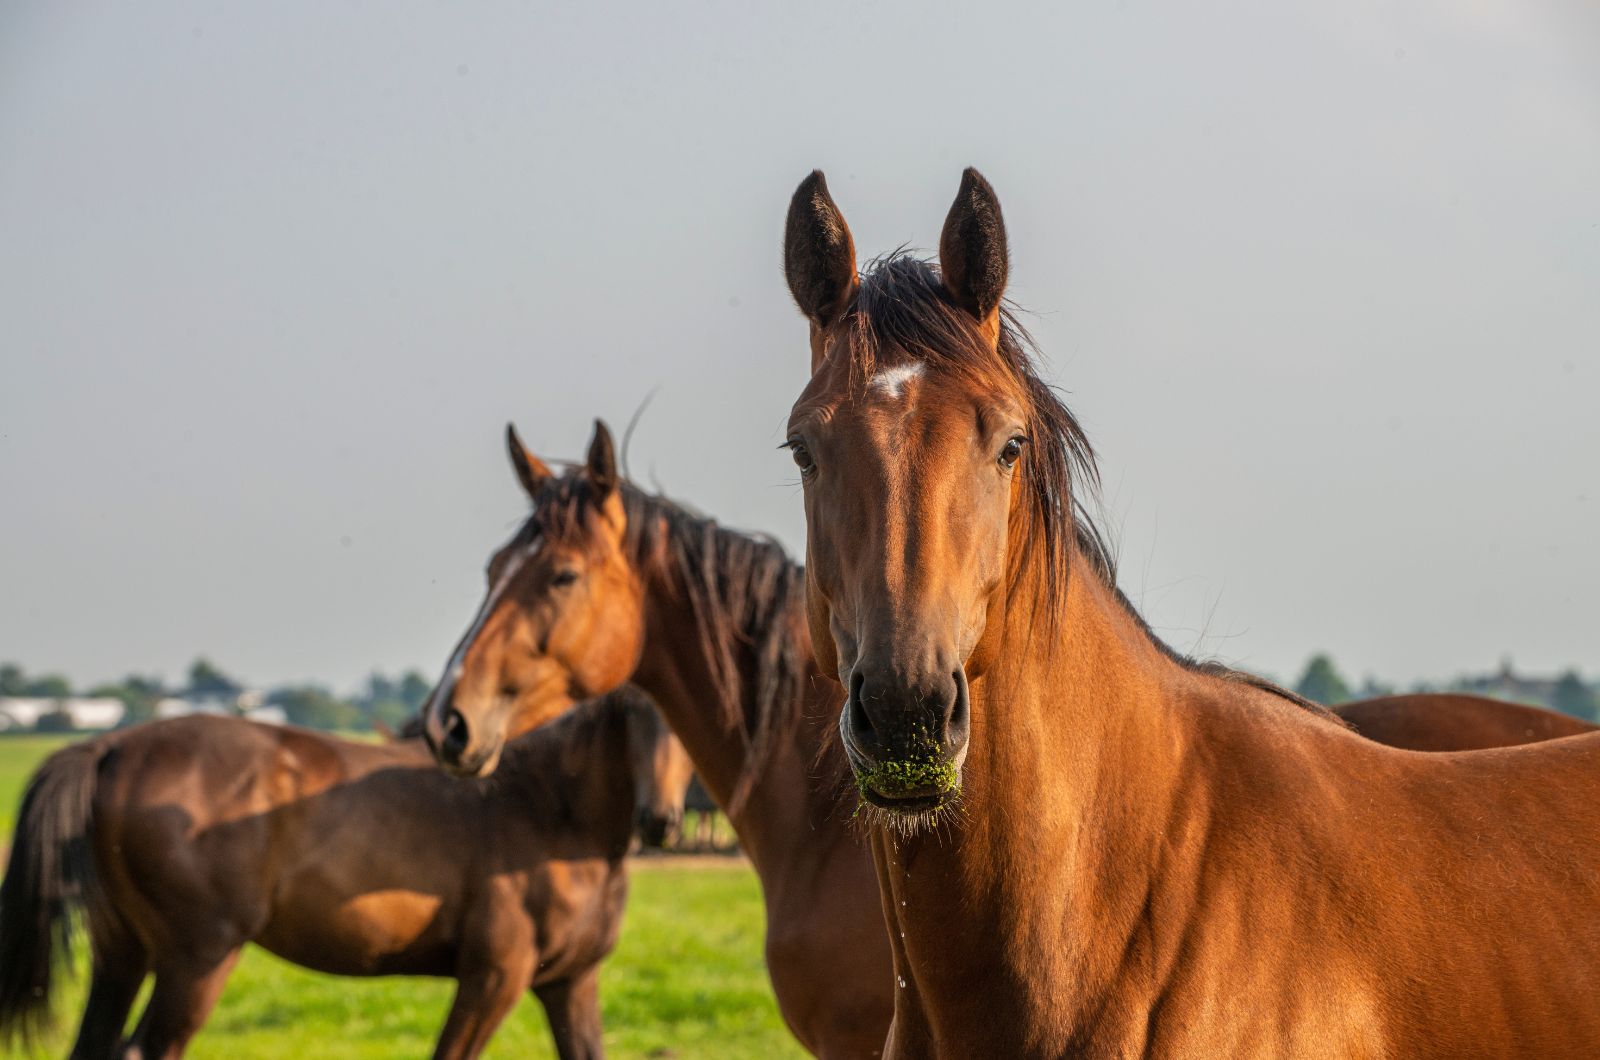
(48, 874)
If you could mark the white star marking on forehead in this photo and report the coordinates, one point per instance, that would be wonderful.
(891, 381)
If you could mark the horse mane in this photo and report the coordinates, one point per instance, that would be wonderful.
(743, 590)
(903, 311)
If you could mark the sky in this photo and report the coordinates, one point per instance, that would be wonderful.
(1321, 280)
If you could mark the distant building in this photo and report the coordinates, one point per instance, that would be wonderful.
(268, 715)
(231, 704)
(24, 712)
(1507, 684)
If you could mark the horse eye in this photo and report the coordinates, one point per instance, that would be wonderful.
(563, 577)
(1012, 452)
(802, 457)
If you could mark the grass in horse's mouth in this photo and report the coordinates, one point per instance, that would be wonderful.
(927, 777)
(907, 796)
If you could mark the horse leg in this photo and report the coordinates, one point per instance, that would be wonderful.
(484, 996)
(113, 987)
(573, 1007)
(184, 995)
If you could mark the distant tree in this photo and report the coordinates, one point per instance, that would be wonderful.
(13, 682)
(380, 688)
(206, 680)
(315, 707)
(1372, 688)
(414, 690)
(391, 713)
(1321, 682)
(1572, 696)
(391, 702)
(48, 686)
(55, 721)
(139, 696)
(380, 703)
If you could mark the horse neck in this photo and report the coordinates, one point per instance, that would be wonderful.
(784, 805)
(1076, 764)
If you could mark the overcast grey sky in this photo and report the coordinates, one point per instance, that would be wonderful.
(1322, 280)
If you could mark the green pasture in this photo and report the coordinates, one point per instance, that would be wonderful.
(687, 979)
(20, 755)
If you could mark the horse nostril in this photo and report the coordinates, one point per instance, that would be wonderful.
(860, 735)
(456, 734)
(860, 717)
(958, 716)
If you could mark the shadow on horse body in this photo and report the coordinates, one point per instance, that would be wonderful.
(186, 839)
(1086, 843)
(619, 584)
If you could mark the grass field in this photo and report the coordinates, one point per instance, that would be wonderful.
(686, 980)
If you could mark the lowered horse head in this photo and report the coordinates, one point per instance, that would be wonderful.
(562, 619)
(936, 469)
(661, 770)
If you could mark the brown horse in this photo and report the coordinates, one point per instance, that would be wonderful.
(1451, 722)
(185, 839)
(1085, 843)
(607, 582)
(604, 583)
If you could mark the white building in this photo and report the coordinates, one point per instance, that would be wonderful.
(24, 712)
(229, 705)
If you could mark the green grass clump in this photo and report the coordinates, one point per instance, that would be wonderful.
(906, 776)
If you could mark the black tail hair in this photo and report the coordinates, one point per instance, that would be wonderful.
(47, 876)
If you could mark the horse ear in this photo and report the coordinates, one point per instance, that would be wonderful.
(602, 461)
(531, 471)
(819, 257)
(972, 250)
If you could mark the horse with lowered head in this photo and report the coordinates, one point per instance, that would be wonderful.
(185, 839)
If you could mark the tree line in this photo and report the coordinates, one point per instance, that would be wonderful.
(382, 700)
(1322, 682)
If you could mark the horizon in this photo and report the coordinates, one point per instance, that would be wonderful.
(1355, 678)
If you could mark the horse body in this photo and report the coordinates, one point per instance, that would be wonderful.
(1221, 872)
(1085, 843)
(611, 584)
(1443, 721)
(352, 859)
